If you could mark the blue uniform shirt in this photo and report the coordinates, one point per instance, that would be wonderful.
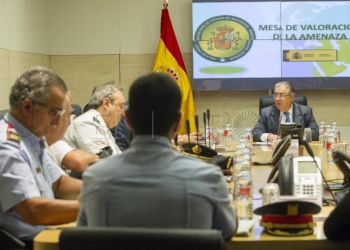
(26, 171)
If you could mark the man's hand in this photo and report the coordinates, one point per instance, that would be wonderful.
(184, 138)
(272, 137)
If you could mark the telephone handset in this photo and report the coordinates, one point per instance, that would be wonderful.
(298, 178)
(342, 161)
(282, 174)
(279, 151)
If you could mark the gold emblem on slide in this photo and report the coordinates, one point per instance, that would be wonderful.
(223, 38)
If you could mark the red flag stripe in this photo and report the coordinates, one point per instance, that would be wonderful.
(167, 34)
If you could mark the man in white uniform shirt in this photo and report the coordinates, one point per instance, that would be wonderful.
(64, 155)
(90, 131)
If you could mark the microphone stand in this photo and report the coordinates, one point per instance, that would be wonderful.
(208, 117)
(196, 123)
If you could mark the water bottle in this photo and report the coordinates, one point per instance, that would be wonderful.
(244, 204)
(325, 138)
(239, 153)
(247, 157)
(249, 142)
(238, 167)
(249, 135)
(228, 135)
(329, 146)
(330, 153)
(242, 143)
(220, 139)
(336, 134)
(247, 167)
(322, 130)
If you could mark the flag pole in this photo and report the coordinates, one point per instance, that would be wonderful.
(165, 4)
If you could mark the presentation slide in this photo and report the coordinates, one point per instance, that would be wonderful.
(255, 44)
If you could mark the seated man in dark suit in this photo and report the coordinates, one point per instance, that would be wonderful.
(284, 110)
(121, 133)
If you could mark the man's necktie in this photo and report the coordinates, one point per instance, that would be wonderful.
(287, 116)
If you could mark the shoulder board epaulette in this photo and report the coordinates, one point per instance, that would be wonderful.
(13, 136)
(96, 120)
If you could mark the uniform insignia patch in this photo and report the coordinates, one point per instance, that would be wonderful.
(96, 120)
(13, 136)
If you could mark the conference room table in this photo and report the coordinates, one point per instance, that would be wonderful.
(257, 237)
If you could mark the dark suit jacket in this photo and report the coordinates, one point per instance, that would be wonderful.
(269, 121)
(122, 134)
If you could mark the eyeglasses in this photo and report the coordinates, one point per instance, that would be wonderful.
(282, 96)
(117, 89)
(56, 112)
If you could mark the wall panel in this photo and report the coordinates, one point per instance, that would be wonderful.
(82, 73)
(4, 79)
(20, 61)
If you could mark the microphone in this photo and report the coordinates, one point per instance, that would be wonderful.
(188, 134)
(205, 128)
(208, 117)
(196, 123)
(311, 153)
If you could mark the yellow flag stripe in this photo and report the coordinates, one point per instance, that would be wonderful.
(165, 62)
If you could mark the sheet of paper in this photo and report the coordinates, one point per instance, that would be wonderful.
(244, 227)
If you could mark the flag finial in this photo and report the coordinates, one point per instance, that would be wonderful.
(165, 4)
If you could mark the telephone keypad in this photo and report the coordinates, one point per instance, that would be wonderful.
(308, 189)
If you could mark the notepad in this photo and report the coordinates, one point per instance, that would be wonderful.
(244, 227)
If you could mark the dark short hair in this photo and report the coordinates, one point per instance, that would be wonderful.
(154, 103)
(35, 84)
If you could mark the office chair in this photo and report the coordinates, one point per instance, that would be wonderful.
(86, 108)
(266, 101)
(3, 113)
(8, 241)
(77, 110)
(105, 238)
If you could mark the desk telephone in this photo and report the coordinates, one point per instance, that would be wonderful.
(298, 179)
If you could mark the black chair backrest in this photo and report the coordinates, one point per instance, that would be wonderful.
(3, 113)
(8, 241)
(103, 238)
(266, 101)
(86, 108)
(77, 110)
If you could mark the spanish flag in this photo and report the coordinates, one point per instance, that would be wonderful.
(169, 60)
